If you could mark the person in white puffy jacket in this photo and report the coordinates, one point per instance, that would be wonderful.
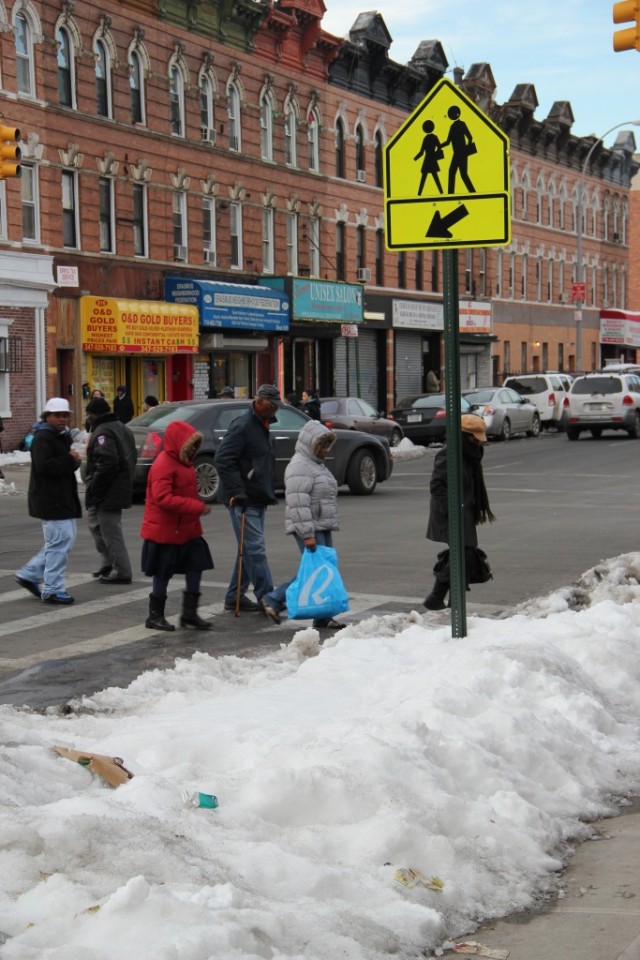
(311, 511)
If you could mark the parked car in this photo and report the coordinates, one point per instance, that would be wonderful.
(604, 401)
(505, 412)
(547, 391)
(357, 459)
(423, 417)
(352, 413)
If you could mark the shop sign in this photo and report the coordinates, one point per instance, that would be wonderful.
(321, 300)
(620, 327)
(113, 326)
(474, 316)
(349, 330)
(417, 315)
(231, 306)
(68, 276)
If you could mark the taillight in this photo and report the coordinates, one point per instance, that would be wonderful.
(627, 401)
(152, 445)
(487, 409)
(566, 403)
(552, 399)
(328, 424)
(440, 414)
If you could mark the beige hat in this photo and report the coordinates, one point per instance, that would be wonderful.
(57, 405)
(474, 424)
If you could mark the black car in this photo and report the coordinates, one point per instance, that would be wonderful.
(357, 459)
(423, 417)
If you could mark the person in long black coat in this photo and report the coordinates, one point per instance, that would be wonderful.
(475, 500)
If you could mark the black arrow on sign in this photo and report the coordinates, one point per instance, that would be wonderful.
(439, 226)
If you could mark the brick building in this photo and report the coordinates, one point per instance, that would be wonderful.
(180, 155)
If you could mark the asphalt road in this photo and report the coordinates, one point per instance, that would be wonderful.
(562, 507)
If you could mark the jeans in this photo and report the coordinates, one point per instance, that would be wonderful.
(278, 598)
(105, 527)
(255, 567)
(50, 563)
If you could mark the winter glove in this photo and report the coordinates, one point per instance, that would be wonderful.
(240, 500)
(310, 544)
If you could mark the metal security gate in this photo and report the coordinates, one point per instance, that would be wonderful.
(408, 365)
(366, 345)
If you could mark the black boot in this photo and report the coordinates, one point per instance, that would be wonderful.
(156, 620)
(189, 617)
(435, 600)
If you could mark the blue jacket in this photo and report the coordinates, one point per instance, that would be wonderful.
(245, 461)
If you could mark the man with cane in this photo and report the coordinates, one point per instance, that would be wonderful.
(245, 462)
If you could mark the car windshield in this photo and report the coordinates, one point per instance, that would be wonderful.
(526, 386)
(431, 400)
(603, 385)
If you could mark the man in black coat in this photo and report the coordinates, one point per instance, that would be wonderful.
(111, 461)
(123, 405)
(53, 498)
(245, 463)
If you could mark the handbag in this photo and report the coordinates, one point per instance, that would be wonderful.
(471, 149)
(317, 591)
(476, 566)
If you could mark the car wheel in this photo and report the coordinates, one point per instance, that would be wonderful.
(535, 426)
(396, 437)
(634, 433)
(362, 475)
(505, 433)
(207, 477)
(596, 432)
(572, 433)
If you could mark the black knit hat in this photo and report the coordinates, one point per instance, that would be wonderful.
(98, 406)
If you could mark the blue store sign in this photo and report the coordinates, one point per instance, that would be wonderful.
(231, 306)
(320, 300)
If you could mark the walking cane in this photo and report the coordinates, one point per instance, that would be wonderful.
(240, 549)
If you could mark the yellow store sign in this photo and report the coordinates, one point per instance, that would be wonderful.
(147, 327)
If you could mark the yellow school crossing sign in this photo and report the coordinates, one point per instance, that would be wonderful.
(446, 176)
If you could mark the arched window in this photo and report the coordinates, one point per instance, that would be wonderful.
(562, 204)
(24, 56)
(267, 110)
(313, 136)
(340, 148)
(233, 112)
(361, 174)
(65, 67)
(540, 192)
(290, 133)
(136, 85)
(551, 204)
(378, 148)
(103, 79)
(176, 100)
(207, 113)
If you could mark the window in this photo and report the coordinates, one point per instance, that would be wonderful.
(314, 246)
(378, 145)
(69, 209)
(107, 232)
(24, 56)
(419, 271)
(499, 273)
(103, 80)
(340, 138)
(435, 271)
(361, 252)
(360, 155)
(30, 210)
(266, 126)
(562, 201)
(179, 225)
(65, 68)
(545, 355)
(176, 101)
(468, 271)
(561, 281)
(538, 279)
(524, 278)
(506, 356)
(209, 231)
(561, 356)
(136, 86)
(268, 259)
(512, 275)
(290, 134)
(292, 243)
(207, 115)
(235, 234)
(340, 252)
(140, 240)
(482, 273)
(523, 355)
(233, 112)
(3, 210)
(313, 138)
(402, 270)
(549, 280)
(380, 258)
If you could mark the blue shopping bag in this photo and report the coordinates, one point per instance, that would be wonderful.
(317, 591)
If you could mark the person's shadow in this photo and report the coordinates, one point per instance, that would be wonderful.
(462, 145)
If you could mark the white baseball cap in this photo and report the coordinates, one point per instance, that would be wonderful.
(57, 405)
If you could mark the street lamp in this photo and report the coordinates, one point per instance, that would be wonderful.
(579, 275)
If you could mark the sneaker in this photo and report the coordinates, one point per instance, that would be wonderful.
(31, 586)
(245, 604)
(61, 598)
(270, 612)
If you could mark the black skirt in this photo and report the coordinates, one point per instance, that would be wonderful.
(166, 559)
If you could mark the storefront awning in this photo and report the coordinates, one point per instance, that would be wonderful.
(231, 306)
(152, 327)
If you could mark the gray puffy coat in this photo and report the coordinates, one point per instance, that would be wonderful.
(311, 490)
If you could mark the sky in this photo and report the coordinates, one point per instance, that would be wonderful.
(564, 49)
(475, 763)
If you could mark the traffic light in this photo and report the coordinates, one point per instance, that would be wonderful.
(623, 12)
(10, 153)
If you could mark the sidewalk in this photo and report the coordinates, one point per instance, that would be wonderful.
(599, 916)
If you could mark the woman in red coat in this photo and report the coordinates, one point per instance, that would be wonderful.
(171, 528)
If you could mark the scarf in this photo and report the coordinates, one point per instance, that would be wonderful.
(472, 454)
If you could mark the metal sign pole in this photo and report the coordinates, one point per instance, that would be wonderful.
(458, 585)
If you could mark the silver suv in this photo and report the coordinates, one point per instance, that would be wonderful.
(604, 401)
(547, 391)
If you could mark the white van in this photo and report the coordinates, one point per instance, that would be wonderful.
(547, 391)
